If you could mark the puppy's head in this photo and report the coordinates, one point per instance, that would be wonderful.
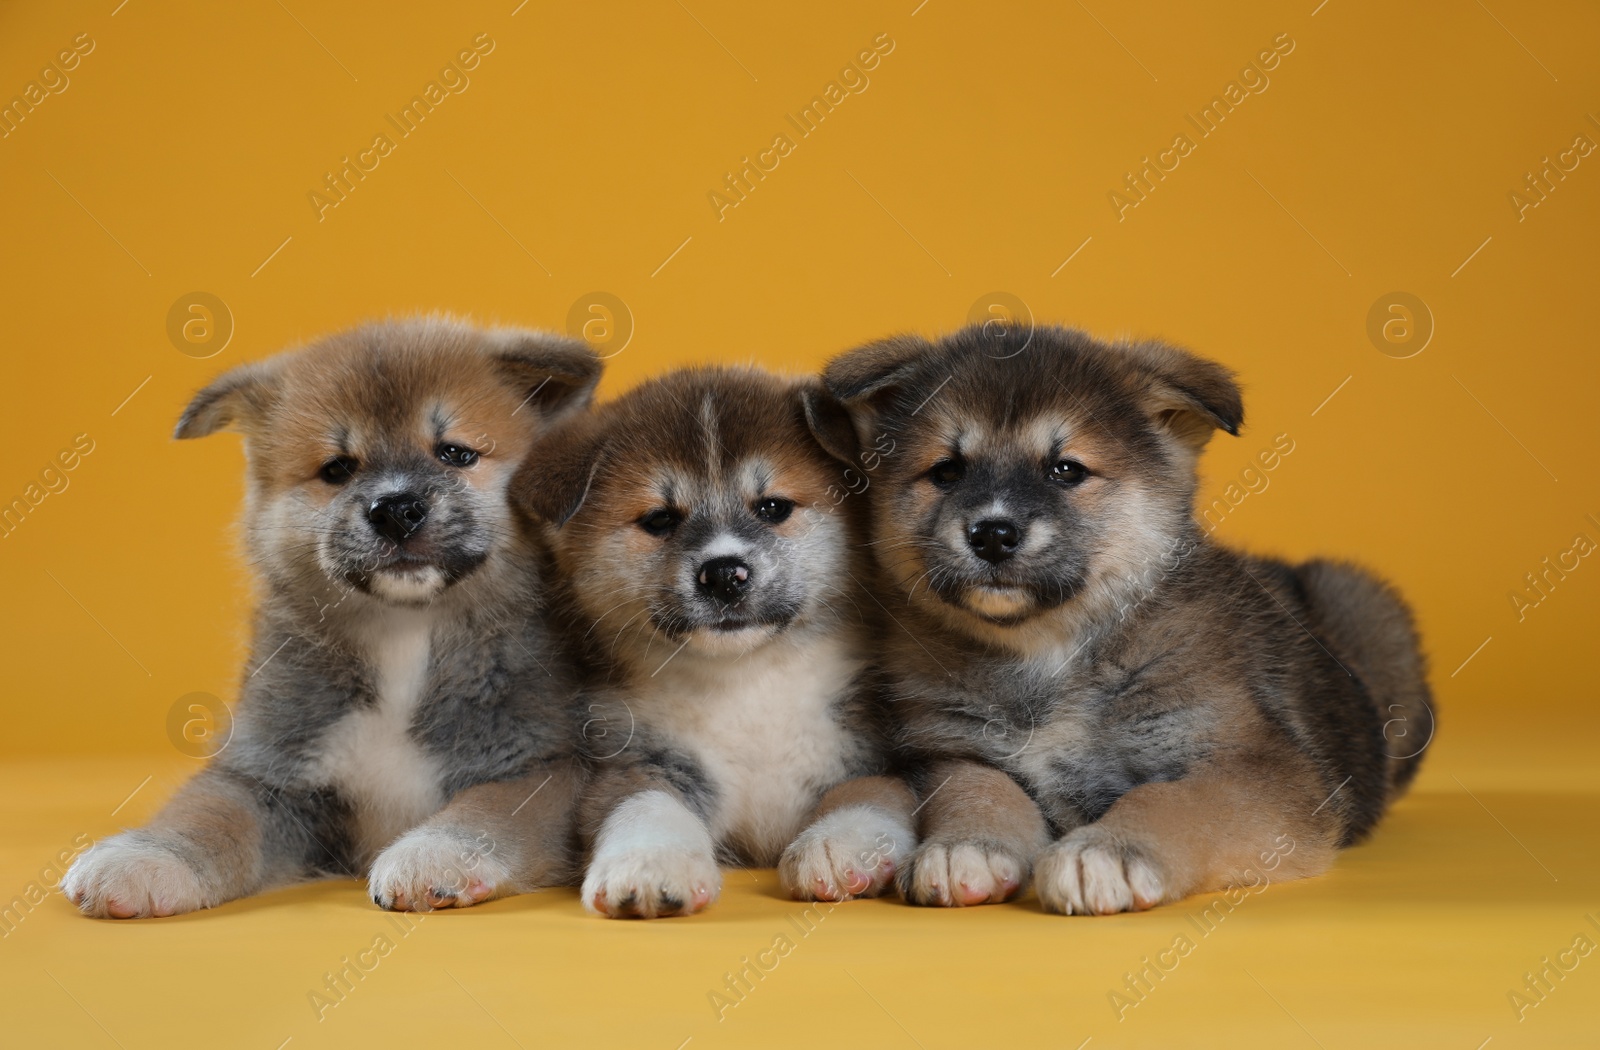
(379, 458)
(1032, 483)
(697, 511)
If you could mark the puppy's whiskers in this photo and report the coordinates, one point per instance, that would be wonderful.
(614, 608)
(646, 611)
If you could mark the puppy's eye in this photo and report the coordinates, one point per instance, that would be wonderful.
(1069, 472)
(947, 472)
(338, 470)
(660, 522)
(456, 455)
(774, 511)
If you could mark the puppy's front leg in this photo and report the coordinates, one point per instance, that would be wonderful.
(214, 842)
(653, 855)
(980, 832)
(492, 840)
(856, 837)
(1247, 823)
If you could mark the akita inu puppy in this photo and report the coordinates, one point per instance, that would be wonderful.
(1087, 677)
(709, 553)
(402, 689)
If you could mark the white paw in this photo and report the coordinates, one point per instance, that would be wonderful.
(851, 852)
(1088, 872)
(130, 877)
(649, 882)
(957, 874)
(653, 857)
(436, 867)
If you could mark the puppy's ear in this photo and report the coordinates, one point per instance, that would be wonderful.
(1186, 395)
(830, 422)
(869, 372)
(554, 480)
(237, 398)
(554, 374)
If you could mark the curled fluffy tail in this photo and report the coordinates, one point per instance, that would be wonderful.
(1368, 625)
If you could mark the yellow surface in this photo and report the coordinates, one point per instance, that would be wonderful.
(1415, 940)
(1382, 157)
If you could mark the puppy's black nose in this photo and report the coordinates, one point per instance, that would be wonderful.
(725, 579)
(398, 515)
(994, 540)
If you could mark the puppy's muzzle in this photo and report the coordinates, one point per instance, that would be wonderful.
(397, 516)
(994, 540)
(724, 579)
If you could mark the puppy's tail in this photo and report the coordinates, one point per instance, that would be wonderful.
(1369, 626)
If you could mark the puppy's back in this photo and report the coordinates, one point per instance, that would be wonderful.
(1368, 624)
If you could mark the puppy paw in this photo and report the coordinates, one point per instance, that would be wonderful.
(958, 874)
(650, 883)
(851, 852)
(1089, 872)
(436, 867)
(128, 877)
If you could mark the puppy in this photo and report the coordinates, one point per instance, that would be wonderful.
(709, 551)
(402, 689)
(1086, 676)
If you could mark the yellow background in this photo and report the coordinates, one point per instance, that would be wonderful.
(1381, 158)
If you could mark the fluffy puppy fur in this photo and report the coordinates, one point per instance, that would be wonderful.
(402, 690)
(1086, 677)
(708, 550)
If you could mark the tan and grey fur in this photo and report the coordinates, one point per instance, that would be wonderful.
(402, 714)
(712, 569)
(1088, 682)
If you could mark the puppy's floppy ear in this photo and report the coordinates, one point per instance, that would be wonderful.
(869, 372)
(238, 398)
(1187, 395)
(829, 422)
(555, 374)
(554, 480)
